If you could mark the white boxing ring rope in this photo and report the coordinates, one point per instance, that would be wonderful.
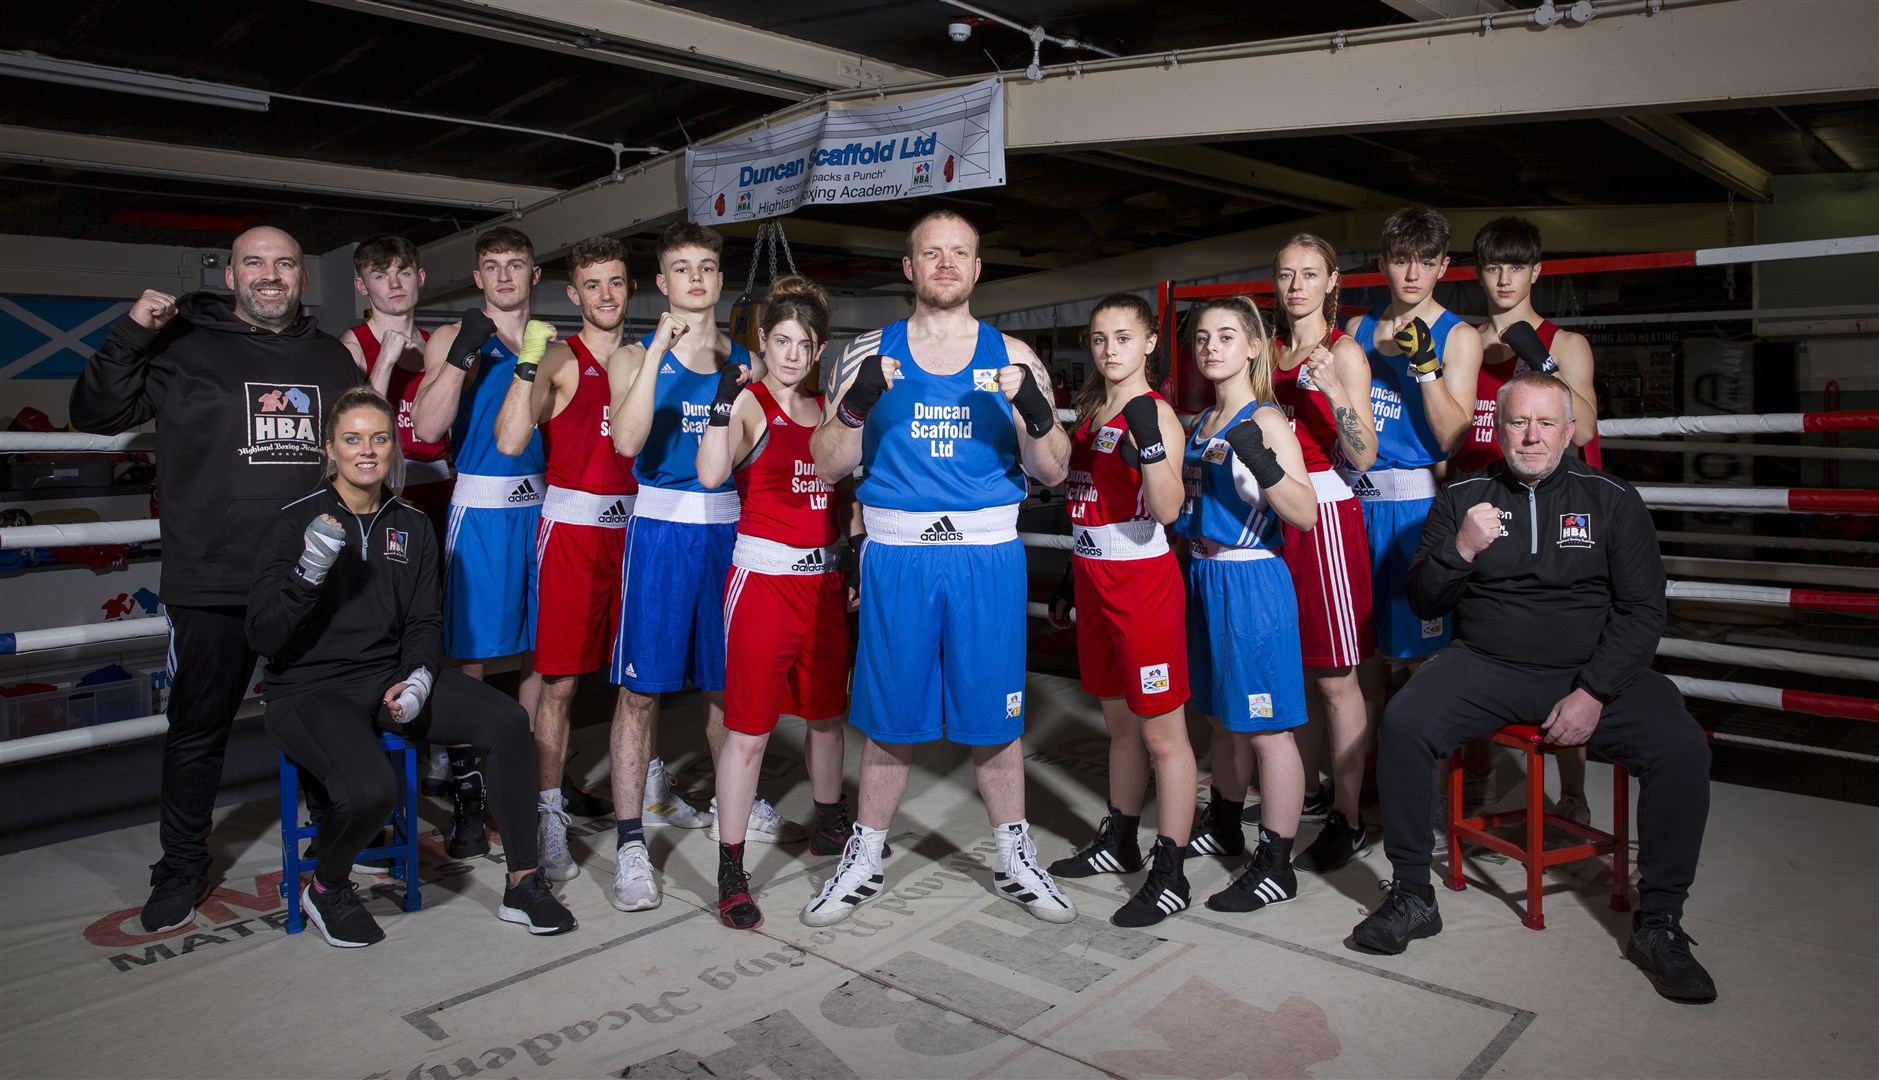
(65, 637)
(80, 534)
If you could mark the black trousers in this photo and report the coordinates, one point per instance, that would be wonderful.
(210, 664)
(331, 734)
(1460, 694)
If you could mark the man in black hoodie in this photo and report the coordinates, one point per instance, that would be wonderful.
(1552, 570)
(239, 391)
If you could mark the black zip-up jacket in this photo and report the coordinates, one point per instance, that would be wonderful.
(375, 616)
(238, 412)
(1577, 581)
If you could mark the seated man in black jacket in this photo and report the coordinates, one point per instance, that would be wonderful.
(1552, 570)
(345, 607)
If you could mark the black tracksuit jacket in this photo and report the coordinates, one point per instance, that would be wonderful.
(377, 615)
(239, 412)
(1576, 582)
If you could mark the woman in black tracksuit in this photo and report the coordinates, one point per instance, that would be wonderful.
(344, 605)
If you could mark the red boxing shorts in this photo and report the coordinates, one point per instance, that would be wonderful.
(577, 595)
(1330, 567)
(1132, 631)
(786, 648)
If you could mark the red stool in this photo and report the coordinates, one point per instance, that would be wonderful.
(1534, 854)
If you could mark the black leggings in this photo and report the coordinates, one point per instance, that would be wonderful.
(331, 733)
(1460, 693)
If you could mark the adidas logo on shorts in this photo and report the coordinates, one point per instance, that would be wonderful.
(1364, 488)
(1086, 545)
(525, 493)
(616, 514)
(630, 673)
(942, 531)
(812, 563)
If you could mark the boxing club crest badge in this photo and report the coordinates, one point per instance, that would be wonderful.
(283, 424)
(1575, 531)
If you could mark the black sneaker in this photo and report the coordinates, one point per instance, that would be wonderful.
(1317, 805)
(581, 804)
(1400, 919)
(468, 838)
(1268, 880)
(532, 903)
(1335, 846)
(736, 909)
(829, 833)
(1661, 949)
(1221, 833)
(1114, 851)
(1164, 892)
(339, 916)
(173, 898)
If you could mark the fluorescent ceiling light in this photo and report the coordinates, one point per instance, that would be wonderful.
(26, 65)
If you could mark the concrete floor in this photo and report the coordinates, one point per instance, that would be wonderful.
(940, 978)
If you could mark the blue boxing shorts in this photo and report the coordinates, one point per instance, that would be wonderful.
(489, 581)
(942, 642)
(1244, 664)
(672, 604)
(1394, 528)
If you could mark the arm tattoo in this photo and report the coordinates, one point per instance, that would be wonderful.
(1348, 426)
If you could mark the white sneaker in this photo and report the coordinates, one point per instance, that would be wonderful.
(1572, 806)
(634, 888)
(551, 843)
(857, 879)
(766, 826)
(664, 808)
(1022, 881)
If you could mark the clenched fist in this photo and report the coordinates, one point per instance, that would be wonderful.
(153, 310)
(1480, 526)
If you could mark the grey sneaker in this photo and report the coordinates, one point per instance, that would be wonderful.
(551, 843)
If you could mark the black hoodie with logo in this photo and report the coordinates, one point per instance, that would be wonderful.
(1574, 581)
(239, 411)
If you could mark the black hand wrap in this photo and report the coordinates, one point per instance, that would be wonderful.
(1040, 416)
(726, 400)
(471, 335)
(1145, 429)
(870, 383)
(1418, 346)
(1065, 593)
(1249, 445)
(850, 565)
(1525, 342)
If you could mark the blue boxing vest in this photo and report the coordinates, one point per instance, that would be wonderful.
(1213, 509)
(473, 433)
(1404, 439)
(942, 442)
(681, 404)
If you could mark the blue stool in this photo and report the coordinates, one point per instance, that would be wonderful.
(402, 851)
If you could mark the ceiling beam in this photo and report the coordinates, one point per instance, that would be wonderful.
(1229, 173)
(1683, 56)
(655, 37)
(201, 164)
(1694, 148)
(1602, 229)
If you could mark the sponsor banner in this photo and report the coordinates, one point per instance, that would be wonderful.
(949, 142)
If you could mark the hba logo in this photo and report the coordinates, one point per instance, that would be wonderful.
(923, 174)
(397, 542)
(283, 421)
(1575, 530)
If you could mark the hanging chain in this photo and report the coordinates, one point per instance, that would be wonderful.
(788, 256)
(750, 282)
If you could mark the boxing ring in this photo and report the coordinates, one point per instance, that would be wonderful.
(1844, 589)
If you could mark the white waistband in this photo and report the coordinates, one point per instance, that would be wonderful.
(498, 492)
(689, 507)
(1330, 486)
(1204, 548)
(992, 525)
(1120, 542)
(570, 507)
(761, 556)
(426, 472)
(1394, 485)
